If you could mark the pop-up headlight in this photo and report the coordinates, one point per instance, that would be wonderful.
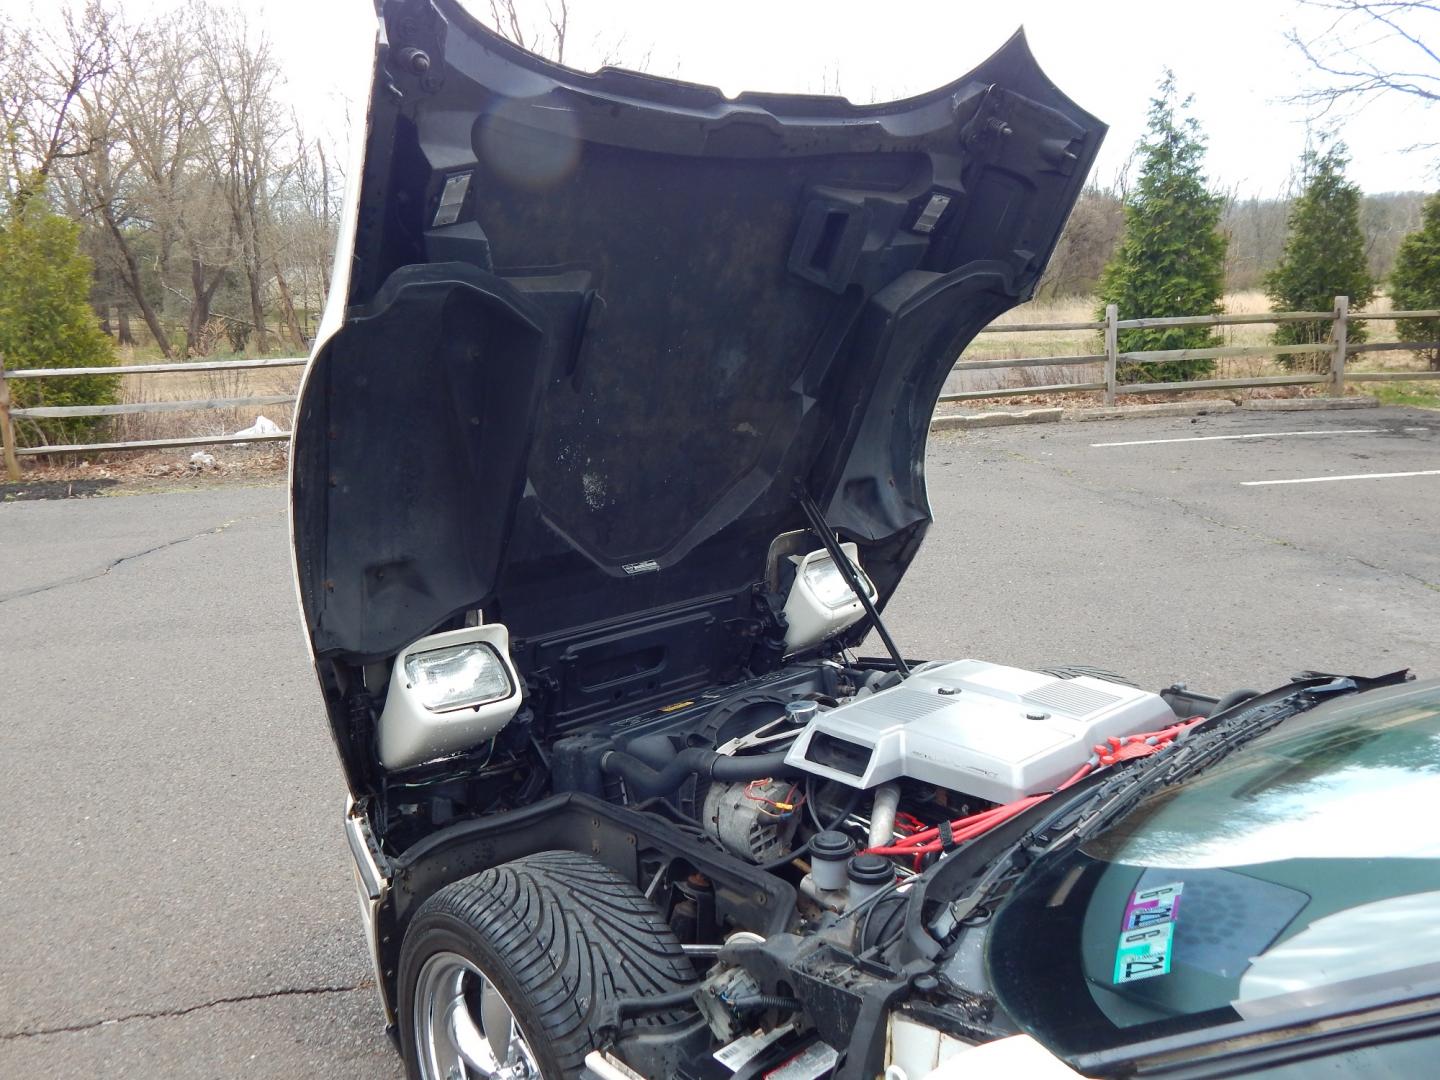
(470, 674)
(820, 603)
(448, 692)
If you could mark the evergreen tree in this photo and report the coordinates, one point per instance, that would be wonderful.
(1171, 260)
(1415, 282)
(1324, 257)
(45, 317)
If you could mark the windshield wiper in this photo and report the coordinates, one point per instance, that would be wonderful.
(1192, 753)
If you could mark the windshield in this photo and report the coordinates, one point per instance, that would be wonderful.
(1301, 872)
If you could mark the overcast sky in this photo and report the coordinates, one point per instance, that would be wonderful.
(1106, 54)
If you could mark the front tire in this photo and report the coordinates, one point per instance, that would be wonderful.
(507, 973)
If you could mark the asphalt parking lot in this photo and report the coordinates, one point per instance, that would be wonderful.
(175, 886)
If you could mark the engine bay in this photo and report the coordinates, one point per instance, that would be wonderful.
(829, 785)
(784, 818)
(817, 746)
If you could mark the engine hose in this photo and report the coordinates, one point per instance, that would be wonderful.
(644, 782)
(765, 1001)
(626, 1008)
(1230, 700)
(654, 750)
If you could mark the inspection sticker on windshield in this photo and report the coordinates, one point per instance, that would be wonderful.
(1153, 907)
(1145, 943)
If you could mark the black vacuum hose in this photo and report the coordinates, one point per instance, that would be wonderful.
(644, 782)
(1230, 700)
(628, 1008)
(765, 1001)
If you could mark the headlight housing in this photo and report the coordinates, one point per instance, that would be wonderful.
(458, 675)
(821, 603)
(448, 692)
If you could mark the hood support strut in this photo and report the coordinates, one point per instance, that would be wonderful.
(821, 528)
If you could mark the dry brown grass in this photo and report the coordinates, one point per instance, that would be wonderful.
(200, 386)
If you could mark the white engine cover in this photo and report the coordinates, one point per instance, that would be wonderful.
(997, 733)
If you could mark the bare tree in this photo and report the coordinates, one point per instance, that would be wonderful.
(304, 209)
(42, 77)
(106, 190)
(544, 37)
(1086, 244)
(204, 204)
(1256, 228)
(157, 113)
(1369, 48)
(245, 131)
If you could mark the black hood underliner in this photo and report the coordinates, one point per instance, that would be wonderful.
(599, 326)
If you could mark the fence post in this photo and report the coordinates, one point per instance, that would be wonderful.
(1112, 350)
(1339, 333)
(7, 432)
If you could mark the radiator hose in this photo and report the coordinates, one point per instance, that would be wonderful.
(644, 782)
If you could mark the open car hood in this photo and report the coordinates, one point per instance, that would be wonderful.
(589, 332)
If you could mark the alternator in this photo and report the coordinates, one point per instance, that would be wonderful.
(755, 820)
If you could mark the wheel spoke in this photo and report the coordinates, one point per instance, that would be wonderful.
(499, 1024)
(464, 1028)
(470, 1042)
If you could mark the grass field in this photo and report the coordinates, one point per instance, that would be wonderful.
(1417, 395)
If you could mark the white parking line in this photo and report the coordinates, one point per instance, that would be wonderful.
(1257, 435)
(1355, 476)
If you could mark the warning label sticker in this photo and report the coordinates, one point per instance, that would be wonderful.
(748, 1047)
(815, 1061)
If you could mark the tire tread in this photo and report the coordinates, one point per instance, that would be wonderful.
(574, 935)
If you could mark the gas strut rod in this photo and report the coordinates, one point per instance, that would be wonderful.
(842, 563)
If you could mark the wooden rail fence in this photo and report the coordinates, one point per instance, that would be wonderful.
(1338, 347)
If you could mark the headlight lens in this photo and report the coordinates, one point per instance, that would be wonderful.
(458, 676)
(828, 585)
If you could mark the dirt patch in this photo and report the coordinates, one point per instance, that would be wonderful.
(1083, 399)
(31, 490)
(156, 470)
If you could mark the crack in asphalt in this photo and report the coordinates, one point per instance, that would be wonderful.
(1403, 573)
(79, 579)
(165, 1014)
